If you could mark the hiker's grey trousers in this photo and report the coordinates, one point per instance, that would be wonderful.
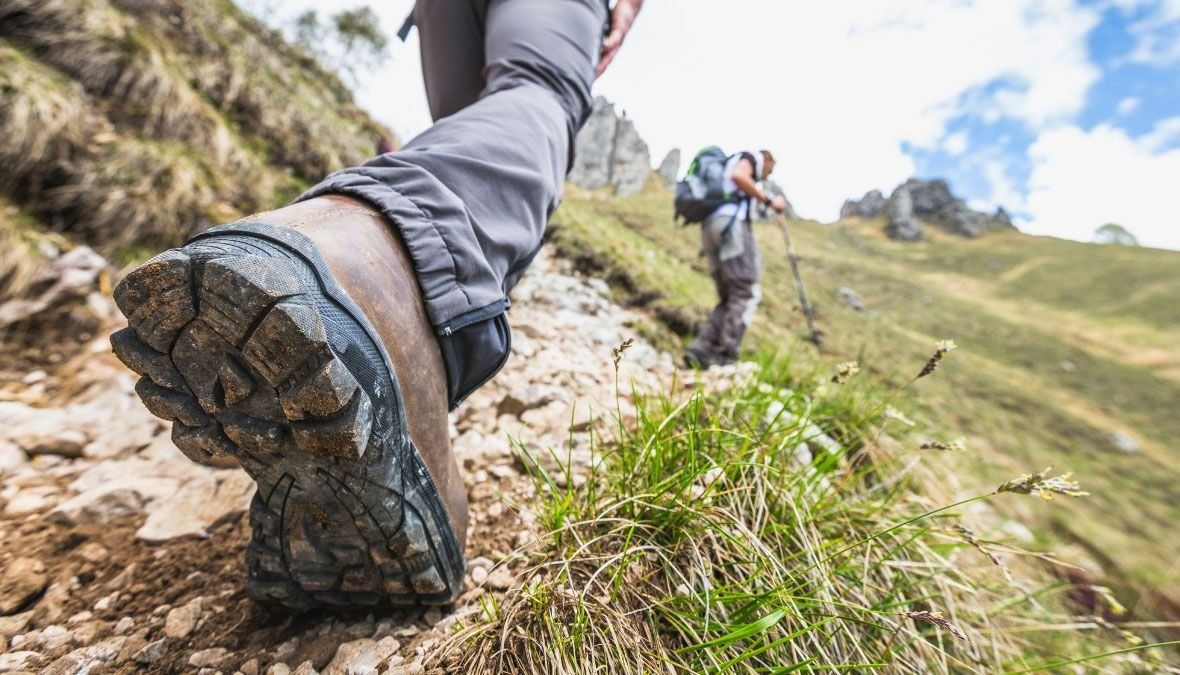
(736, 267)
(508, 83)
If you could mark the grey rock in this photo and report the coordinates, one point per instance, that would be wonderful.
(902, 225)
(1125, 443)
(100, 505)
(197, 506)
(669, 170)
(872, 205)
(12, 458)
(206, 658)
(43, 431)
(68, 277)
(610, 153)
(852, 298)
(362, 657)
(87, 658)
(151, 652)
(19, 661)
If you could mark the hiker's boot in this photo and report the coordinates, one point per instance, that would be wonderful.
(296, 343)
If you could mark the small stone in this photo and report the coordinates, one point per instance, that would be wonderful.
(500, 579)
(1125, 443)
(25, 503)
(151, 652)
(13, 625)
(207, 658)
(93, 551)
(84, 615)
(408, 669)
(305, 668)
(432, 616)
(99, 505)
(23, 580)
(362, 657)
(851, 298)
(278, 669)
(182, 620)
(407, 631)
(124, 625)
(19, 661)
(249, 667)
(479, 575)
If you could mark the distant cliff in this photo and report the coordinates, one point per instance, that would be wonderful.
(917, 201)
(610, 153)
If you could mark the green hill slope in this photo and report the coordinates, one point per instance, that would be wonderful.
(1063, 345)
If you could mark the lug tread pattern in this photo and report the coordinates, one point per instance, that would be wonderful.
(230, 337)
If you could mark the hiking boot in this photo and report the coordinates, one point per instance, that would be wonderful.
(296, 343)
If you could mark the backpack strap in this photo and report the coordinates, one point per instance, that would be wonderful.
(749, 199)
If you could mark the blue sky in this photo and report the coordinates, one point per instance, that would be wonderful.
(1065, 112)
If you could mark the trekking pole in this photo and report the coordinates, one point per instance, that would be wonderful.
(782, 226)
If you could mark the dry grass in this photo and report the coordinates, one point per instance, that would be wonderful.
(709, 541)
(45, 123)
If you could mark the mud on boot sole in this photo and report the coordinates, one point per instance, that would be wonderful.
(248, 345)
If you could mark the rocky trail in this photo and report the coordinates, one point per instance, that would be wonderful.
(120, 555)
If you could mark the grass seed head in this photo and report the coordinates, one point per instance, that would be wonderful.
(937, 619)
(1043, 485)
(897, 416)
(941, 349)
(957, 445)
(617, 352)
(844, 371)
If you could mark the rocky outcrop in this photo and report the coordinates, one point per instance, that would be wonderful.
(610, 153)
(669, 169)
(869, 206)
(928, 201)
(902, 225)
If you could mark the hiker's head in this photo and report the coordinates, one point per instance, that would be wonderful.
(767, 164)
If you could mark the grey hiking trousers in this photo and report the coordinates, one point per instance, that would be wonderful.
(508, 83)
(736, 267)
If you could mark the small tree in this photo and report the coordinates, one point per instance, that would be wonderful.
(349, 42)
(1113, 233)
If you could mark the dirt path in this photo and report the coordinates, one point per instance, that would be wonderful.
(119, 555)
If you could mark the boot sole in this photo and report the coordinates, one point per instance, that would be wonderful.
(246, 342)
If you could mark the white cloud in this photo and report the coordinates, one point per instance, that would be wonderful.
(1156, 32)
(1128, 105)
(1165, 133)
(841, 85)
(1083, 179)
(955, 144)
(836, 88)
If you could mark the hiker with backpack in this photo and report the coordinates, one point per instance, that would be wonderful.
(321, 344)
(718, 193)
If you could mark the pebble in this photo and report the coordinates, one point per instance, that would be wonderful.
(124, 625)
(151, 652)
(182, 620)
(22, 581)
(208, 657)
(278, 669)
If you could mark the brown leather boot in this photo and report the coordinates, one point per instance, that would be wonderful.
(296, 342)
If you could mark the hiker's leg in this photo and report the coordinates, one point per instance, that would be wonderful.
(739, 272)
(705, 348)
(472, 194)
(450, 35)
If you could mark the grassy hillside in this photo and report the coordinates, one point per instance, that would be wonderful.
(130, 125)
(1062, 345)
